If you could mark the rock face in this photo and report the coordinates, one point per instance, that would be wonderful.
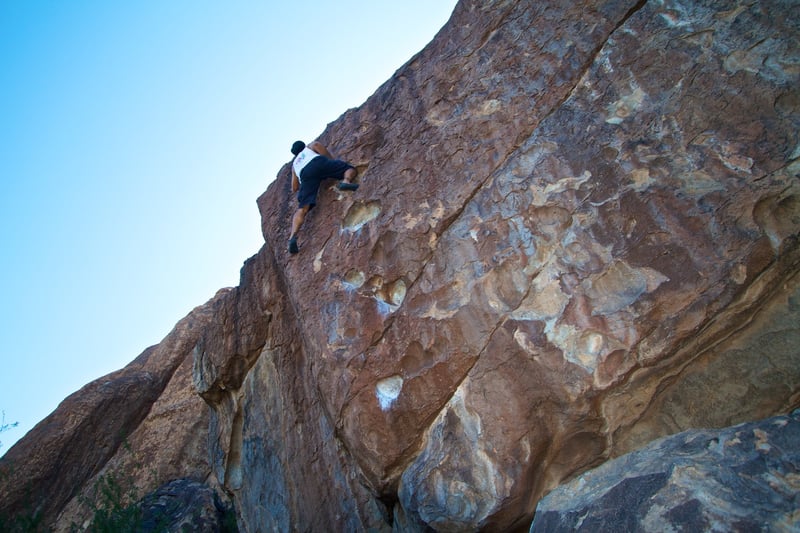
(612, 258)
(576, 232)
(740, 479)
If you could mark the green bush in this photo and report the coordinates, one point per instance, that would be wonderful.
(111, 513)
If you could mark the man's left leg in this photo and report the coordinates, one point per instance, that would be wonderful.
(347, 182)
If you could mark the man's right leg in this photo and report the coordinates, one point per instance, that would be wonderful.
(297, 221)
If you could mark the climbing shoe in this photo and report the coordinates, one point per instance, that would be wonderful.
(293, 249)
(348, 186)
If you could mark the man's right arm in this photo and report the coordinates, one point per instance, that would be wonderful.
(319, 148)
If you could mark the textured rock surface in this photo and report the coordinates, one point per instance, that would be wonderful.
(576, 232)
(570, 215)
(143, 424)
(184, 505)
(273, 446)
(746, 478)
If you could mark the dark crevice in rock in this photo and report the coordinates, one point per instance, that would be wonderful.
(591, 58)
(233, 465)
(631, 12)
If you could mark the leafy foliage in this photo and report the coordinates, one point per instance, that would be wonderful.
(5, 427)
(111, 513)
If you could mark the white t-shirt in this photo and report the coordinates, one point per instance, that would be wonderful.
(302, 159)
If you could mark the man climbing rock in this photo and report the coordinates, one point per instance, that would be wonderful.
(312, 165)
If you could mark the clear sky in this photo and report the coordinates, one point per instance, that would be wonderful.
(135, 138)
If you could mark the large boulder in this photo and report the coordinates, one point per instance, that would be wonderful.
(745, 478)
(576, 232)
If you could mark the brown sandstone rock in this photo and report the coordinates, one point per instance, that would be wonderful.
(170, 443)
(144, 419)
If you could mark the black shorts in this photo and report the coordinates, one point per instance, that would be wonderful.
(315, 172)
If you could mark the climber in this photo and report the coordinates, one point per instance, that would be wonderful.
(311, 165)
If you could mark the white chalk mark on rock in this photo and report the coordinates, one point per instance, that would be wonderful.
(387, 390)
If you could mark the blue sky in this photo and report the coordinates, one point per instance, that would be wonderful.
(135, 138)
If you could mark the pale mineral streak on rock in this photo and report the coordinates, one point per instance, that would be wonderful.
(387, 295)
(354, 279)
(359, 214)
(778, 216)
(641, 179)
(447, 499)
(545, 300)
(543, 195)
(490, 106)
(317, 264)
(739, 274)
(626, 106)
(619, 286)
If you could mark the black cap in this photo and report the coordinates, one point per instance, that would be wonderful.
(298, 147)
